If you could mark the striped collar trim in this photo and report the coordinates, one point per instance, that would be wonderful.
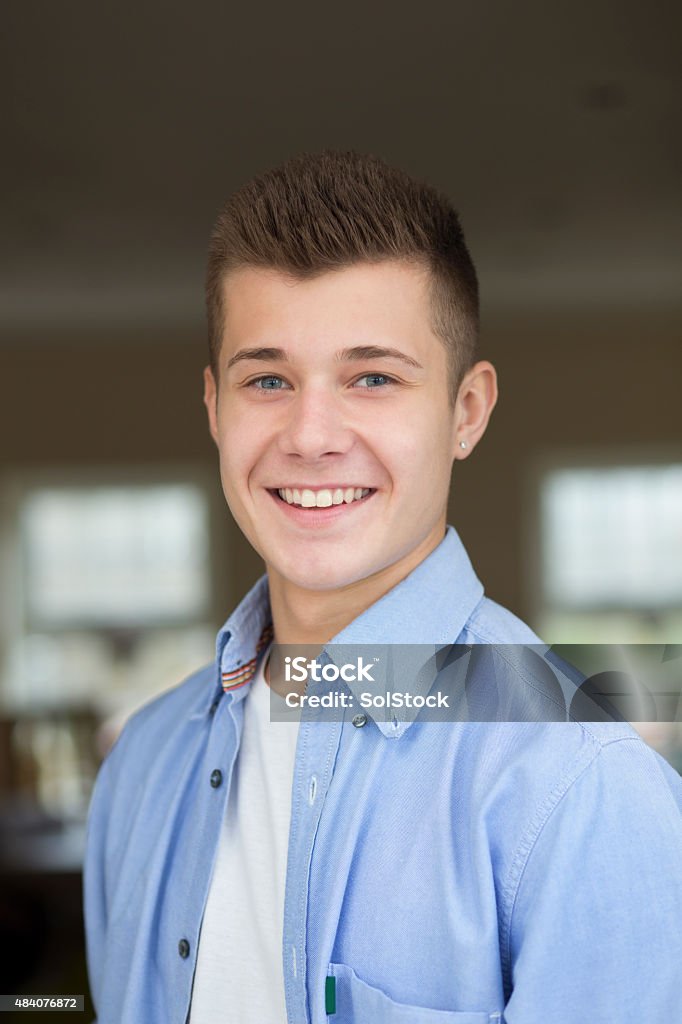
(243, 674)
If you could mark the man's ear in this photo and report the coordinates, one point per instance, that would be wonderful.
(476, 400)
(210, 401)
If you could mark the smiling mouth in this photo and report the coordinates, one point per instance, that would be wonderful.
(325, 497)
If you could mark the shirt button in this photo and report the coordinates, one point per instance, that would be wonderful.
(216, 778)
(359, 721)
(183, 948)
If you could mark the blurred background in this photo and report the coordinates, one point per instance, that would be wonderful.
(555, 130)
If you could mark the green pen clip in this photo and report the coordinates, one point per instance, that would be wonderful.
(330, 995)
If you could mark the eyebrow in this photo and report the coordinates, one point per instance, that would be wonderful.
(347, 355)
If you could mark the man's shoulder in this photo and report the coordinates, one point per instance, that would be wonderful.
(533, 775)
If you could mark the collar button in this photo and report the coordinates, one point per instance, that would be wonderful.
(359, 721)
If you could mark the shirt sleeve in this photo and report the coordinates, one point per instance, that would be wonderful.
(596, 925)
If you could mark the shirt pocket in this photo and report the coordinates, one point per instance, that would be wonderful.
(360, 1003)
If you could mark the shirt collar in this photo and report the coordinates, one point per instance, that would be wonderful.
(430, 606)
(240, 642)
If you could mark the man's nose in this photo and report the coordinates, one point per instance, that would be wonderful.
(315, 425)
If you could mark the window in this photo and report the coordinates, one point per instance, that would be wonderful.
(610, 558)
(115, 556)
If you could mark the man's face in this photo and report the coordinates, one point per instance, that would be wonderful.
(310, 409)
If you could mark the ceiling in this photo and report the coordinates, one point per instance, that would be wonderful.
(553, 127)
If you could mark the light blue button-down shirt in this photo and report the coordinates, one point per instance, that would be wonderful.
(439, 873)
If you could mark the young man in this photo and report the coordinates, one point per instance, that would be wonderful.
(240, 870)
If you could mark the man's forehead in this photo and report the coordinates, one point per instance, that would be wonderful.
(362, 304)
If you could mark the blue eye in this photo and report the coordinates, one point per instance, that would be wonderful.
(374, 380)
(267, 383)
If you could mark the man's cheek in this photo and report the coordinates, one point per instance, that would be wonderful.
(230, 488)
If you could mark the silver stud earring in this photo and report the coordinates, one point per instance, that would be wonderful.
(463, 444)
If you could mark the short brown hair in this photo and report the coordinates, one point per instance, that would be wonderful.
(326, 211)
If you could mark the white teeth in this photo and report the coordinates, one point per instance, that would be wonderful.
(308, 498)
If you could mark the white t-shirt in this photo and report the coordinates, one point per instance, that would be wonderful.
(239, 974)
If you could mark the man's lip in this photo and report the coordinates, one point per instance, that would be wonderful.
(275, 493)
(314, 517)
(320, 487)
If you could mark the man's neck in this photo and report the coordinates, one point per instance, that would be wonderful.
(303, 616)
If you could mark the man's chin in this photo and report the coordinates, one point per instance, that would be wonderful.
(323, 575)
